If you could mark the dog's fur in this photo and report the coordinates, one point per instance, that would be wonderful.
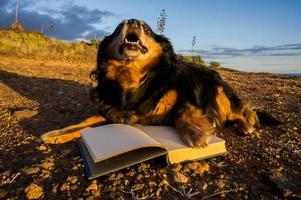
(141, 80)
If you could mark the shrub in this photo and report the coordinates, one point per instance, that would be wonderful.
(215, 64)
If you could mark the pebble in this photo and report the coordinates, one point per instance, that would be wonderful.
(31, 170)
(220, 184)
(180, 178)
(64, 187)
(34, 191)
(177, 167)
(47, 164)
(26, 113)
(42, 148)
(72, 179)
(3, 193)
(91, 187)
(73, 187)
(196, 167)
(54, 188)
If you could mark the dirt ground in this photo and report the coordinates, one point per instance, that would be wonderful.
(41, 95)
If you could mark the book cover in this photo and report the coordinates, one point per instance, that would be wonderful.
(113, 147)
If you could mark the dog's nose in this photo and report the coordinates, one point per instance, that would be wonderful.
(134, 23)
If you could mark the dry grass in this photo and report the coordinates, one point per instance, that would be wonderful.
(35, 45)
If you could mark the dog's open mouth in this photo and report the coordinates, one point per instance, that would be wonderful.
(132, 42)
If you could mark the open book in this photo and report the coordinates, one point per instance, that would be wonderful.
(112, 147)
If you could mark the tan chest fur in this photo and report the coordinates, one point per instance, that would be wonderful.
(129, 77)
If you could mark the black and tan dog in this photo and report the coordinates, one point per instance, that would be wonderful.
(140, 80)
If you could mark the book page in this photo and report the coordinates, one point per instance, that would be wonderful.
(121, 161)
(178, 151)
(166, 135)
(110, 140)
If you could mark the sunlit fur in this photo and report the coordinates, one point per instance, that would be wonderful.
(148, 84)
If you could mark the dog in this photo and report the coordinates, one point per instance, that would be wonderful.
(140, 79)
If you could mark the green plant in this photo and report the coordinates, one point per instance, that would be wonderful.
(215, 64)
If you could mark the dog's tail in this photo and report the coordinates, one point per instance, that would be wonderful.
(266, 118)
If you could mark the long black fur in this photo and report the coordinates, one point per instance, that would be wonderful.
(195, 84)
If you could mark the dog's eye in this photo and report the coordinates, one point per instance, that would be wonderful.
(146, 29)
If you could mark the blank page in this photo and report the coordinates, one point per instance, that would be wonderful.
(110, 140)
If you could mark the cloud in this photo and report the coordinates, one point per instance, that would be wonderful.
(279, 50)
(68, 22)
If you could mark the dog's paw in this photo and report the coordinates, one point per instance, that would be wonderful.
(131, 119)
(245, 129)
(196, 137)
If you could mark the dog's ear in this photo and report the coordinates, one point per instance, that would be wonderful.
(101, 54)
(169, 56)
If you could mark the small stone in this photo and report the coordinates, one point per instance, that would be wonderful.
(64, 187)
(54, 188)
(196, 167)
(73, 187)
(138, 186)
(3, 193)
(96, 194)
(202, 168)
(220, 184)
(72, 179)
(47, 164)
(26, 113)
(205, 186)
(91, 187)
(158, 192)
(180, 178)
(90, 198)
(31, 170)
(139, 177)
(34, 191)
(45, 174)
(177, 167)
(42, 148)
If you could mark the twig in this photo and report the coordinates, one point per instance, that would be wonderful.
(183, 193)
(131, 192)
(220, 192)
(14, 178)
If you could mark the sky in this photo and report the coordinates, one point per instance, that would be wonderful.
(249, 35)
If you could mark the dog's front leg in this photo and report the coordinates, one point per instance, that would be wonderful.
(116, 115)
(71, 132)
(193, 126)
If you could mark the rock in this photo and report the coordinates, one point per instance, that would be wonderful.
(180, 178)
(74, 187)
(177, 167)
(3, 193)
(31, 170)
(42, 148)
(34, 191)
(72, 179)
(64, 187)
(91, 187)
(196, 167)
(47, 164)
(54, 188)
(26, 113)
(45, 174)
(220, 183)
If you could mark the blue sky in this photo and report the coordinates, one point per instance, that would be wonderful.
(250, 35)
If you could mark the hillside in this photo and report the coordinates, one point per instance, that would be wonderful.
(35, 45)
